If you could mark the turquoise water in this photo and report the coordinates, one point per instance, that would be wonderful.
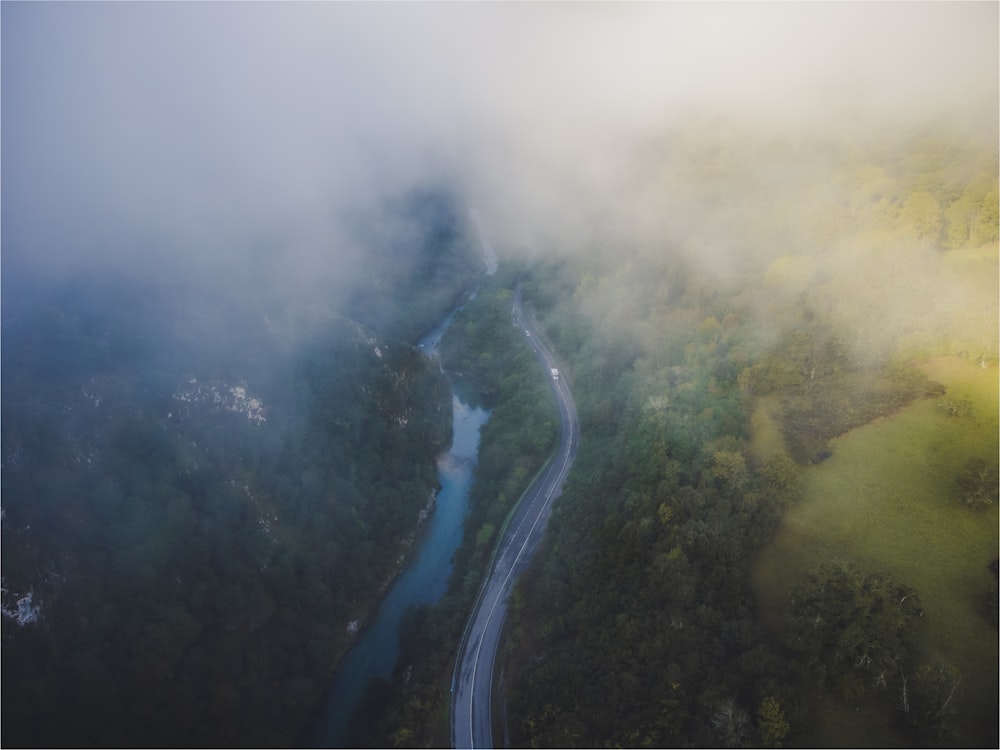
(424, 579)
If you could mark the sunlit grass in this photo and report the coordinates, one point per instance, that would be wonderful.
(887, 501)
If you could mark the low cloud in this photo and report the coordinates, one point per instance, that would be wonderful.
(200, 136)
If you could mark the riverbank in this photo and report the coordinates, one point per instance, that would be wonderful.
(421, 574)
(413, 709)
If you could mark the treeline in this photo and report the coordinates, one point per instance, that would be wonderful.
(189, 531)
(822, 393)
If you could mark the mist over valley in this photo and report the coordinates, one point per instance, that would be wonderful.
(760, 239)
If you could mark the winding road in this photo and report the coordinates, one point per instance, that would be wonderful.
(472, 683)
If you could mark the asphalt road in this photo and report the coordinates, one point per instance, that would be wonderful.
(472, 684)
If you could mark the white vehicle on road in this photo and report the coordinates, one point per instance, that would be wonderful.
(472, 678)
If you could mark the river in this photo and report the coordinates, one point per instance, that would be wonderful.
(425, 577)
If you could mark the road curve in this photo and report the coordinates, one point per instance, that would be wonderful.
(472, 682)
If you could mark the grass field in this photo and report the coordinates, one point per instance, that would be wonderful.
(887, 501)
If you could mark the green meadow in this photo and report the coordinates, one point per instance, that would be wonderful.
(887, 500)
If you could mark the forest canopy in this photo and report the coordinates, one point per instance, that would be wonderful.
(193, 530)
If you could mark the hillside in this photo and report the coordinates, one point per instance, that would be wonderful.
(202, 502)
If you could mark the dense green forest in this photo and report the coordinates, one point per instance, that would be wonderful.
(194, 528)
(717, 368)
(640, 624)
(261, 385)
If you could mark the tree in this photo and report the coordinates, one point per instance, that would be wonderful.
(728, 471)
(922, 213)
(988, 224)
(731, 723)
(961, 219)
(772, 727)
(928, 701)
(979, 483)
(854, 630)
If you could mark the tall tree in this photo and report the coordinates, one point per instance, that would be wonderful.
(854, 630)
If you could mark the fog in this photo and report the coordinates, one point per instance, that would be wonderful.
(195, 204)
(239, 139)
